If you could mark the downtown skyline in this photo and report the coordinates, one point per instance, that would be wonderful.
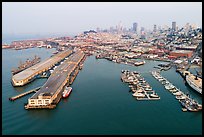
(71, 18)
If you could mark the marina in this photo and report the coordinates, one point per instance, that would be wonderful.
(102, 68)
(140, 88)
(185, 100)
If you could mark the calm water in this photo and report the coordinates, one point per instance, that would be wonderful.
(99, 104)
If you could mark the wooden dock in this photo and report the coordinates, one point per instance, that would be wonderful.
(23, 94)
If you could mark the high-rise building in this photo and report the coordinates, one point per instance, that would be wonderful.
(155, 28)
(142, 29)
(97, 29)
(142, 33)
(134, 27)
(111, 29)
(174, 26)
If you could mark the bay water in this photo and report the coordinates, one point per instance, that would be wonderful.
(99, 104)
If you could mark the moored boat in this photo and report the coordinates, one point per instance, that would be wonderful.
(136, 94)
(194, 82)
(66, 92)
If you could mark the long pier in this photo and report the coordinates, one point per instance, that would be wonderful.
(23, 94)
(51, 92)
(185, 100)
(30, 74)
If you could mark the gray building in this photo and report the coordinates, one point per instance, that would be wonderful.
(135, 27)
(155, 28)
(174, 26)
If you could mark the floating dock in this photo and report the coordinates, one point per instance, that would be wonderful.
(142, 90)
(30, 74)
(51, 92)
(185, 100)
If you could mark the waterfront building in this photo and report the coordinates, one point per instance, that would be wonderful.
(181, 53)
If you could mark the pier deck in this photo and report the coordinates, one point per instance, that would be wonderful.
(23, 94)
(28, 74)
(52, 89)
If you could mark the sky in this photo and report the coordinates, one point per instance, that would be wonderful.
(71, 18)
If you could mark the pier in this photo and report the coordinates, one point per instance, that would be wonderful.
(51, 92)
(24, 94)
(185, 100)
(31, 73)
(142, 90)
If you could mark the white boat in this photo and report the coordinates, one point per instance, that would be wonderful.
(136, 94)
(139, 91)
(169, 86)
(194, 82)
(174, 90)
(51, 71)
(148, 89)
(161, 79)
(154, 95)
(178, 93)
(181, 97)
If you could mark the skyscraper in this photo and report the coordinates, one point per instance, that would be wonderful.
(174, 26)
(134, 27)
(142, 31)
(155, 28)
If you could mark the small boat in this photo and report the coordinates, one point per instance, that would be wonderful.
(154, 95)
(136, 94)
(66, 92)
(178, 93)
(161, 79)
(181, 97)
(148, 89)
(169, 86)
(184, 109)
(55, 52)
(189, 105)
(174, 90)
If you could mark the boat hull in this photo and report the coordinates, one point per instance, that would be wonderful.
(199, 90)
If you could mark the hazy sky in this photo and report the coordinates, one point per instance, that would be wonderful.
(72, 18)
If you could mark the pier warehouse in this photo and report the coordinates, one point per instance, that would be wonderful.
(50, 93)
(29, 74)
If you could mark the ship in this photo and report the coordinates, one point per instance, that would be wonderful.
(139, 63)
(28, 63)
(194, 82)
(66, 92)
